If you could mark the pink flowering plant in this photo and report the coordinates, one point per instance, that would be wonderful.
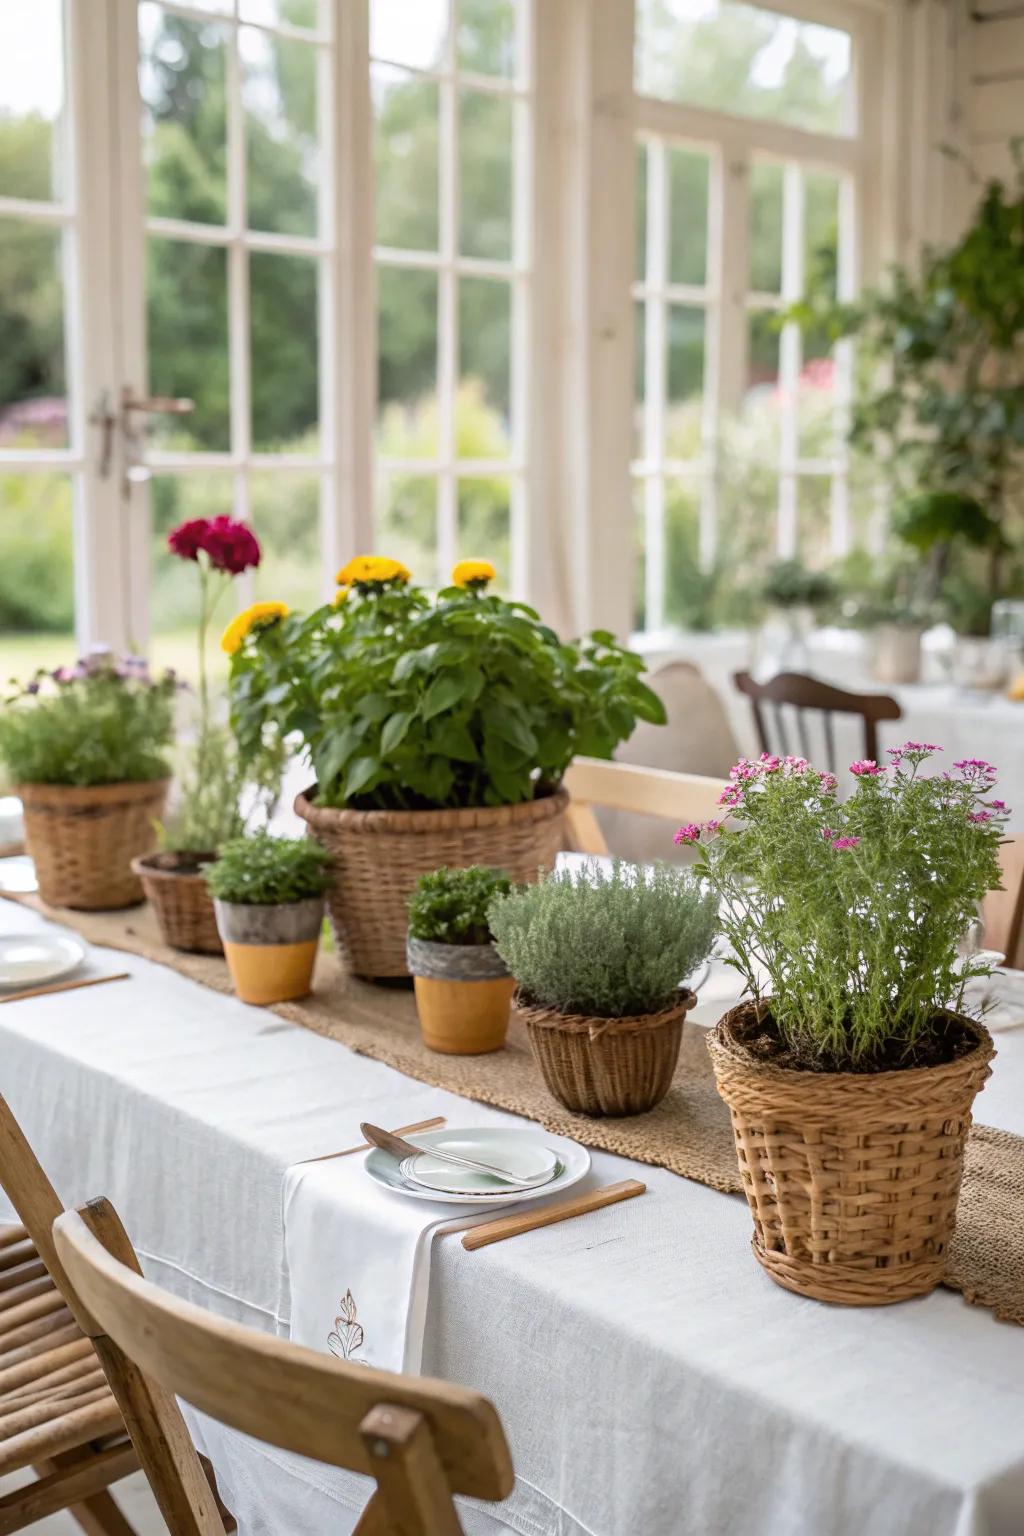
(844, 916)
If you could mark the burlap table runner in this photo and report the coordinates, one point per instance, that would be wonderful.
(688, 1133)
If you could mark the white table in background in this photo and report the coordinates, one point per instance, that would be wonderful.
(652, 1380)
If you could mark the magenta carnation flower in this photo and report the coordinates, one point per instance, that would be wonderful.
(731, 795)
(230, 546)
(186, 540)
(688, 834)
(840, 844)
(980, 816)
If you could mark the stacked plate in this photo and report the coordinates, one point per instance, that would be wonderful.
(30, 959)
(536, 1165)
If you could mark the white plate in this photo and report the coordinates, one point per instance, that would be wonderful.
(503, 1143)
(29, 959)
(532, 1161)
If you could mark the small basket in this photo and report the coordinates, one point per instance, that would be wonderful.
(83, 840)
(181, 900)
(378, 856)
(606, 1066)
(852, 1178)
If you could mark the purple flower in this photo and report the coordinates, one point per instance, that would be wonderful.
(743, 771)
(712, 826)
(769, 763)
(866, 768)
(840, 844)
(688, 834)
(980, 816)
(827, 781)
(912, 749)
(998, 805)
(731, 795)
(828, 834)
(31, 687)
(975, 768)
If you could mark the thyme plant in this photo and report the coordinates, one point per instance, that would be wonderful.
(611, 946)
(265, 871)
(845, 917)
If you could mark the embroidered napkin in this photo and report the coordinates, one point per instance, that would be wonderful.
(358, 1257)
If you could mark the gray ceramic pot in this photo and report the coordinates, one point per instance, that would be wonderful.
(454, 962)
(287, 922)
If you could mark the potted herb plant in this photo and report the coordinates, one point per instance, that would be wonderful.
(851, 1071)
(599, 960)
(219, 795)
(268, 894)
(463, 988)
(439, 729)
(86, 751)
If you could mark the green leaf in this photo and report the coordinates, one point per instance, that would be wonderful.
(443, 692)
(360, 774)
(374, 706)
(395, 728)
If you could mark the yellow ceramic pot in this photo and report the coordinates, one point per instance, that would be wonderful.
(463, 996)
(271, 950)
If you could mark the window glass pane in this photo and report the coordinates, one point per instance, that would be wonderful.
(285, 512)
(292, 13)
(485, 312)
(741, 58)
(816, 400)
(36, 583)
(285, 390)
(687, 587)
(821, 234)
(639, 355)
(188, 341)
(33, 387)
(762, 401)
(412, 32)
(765, 230)
(688, 216)
(640, 211)
(814, 520)
(405, 159)
(173, 589)
(182, 82)
(280, 97)
(485, 523)
(685, 381)
(406, 518)
(640, 557)
(406, 363)
(485, 175)
(487, 37)
(31, 99)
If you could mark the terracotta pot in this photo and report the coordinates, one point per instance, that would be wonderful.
(271, 950)
(378, 856)
(83, 841)
(463, 996)
(607, 1066)
(852, 1178)
(180, 897)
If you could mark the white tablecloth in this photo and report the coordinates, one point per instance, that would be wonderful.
(650, 1377)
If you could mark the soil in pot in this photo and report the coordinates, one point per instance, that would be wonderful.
(174, 885)
(271, 950)
(852, 1178)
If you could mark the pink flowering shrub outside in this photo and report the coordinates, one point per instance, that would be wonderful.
(846, 915)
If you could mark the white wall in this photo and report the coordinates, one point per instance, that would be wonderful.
(996, 94)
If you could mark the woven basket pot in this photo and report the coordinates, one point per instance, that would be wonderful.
(181, 900)
(83, 840)
(852, 1178)
(606, 1066)
(379, 855)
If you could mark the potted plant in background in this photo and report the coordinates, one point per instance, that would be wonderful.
(86, 750)
(882, 597)
(439, 729)
(268, 894)
(463, 988)
(795, 595)
(851, 1071)
(219, 795)
(599, 960)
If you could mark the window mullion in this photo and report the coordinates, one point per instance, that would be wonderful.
(789, 356)
(655, 383)
(448, 318)
(726, 361)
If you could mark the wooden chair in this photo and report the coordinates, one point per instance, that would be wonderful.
(57, 1413)
(422, 1440)
(673, 797)
(1002, 911)
(808, 694)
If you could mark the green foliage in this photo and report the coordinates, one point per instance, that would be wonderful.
(846, 916)
(408, 702)
(264, 870)
(449, 906)
(220, 795)
(881, 589)
(36, 582)
(611, 946)
(788, 584)
(99, 722)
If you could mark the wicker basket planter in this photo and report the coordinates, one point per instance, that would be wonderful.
(606, 1066)
(852, 1178)
(174, 885)
(83, 840)
(379, 855)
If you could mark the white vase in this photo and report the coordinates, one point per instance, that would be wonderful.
(896, 653)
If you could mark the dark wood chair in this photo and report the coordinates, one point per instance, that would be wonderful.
(807, 695)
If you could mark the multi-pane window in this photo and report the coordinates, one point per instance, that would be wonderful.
(239, 235)
(40, 436)
(451, 160)
(745, 202)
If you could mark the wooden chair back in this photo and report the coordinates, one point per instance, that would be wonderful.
(1002, 912)
(422, 1440)
(806, 695)
(674, 797)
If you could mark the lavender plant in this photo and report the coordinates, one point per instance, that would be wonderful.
(844, 917)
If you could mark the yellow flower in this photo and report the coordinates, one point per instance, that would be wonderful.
(258, 616)
(468, 572)
(372, 568)
(340, 596)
